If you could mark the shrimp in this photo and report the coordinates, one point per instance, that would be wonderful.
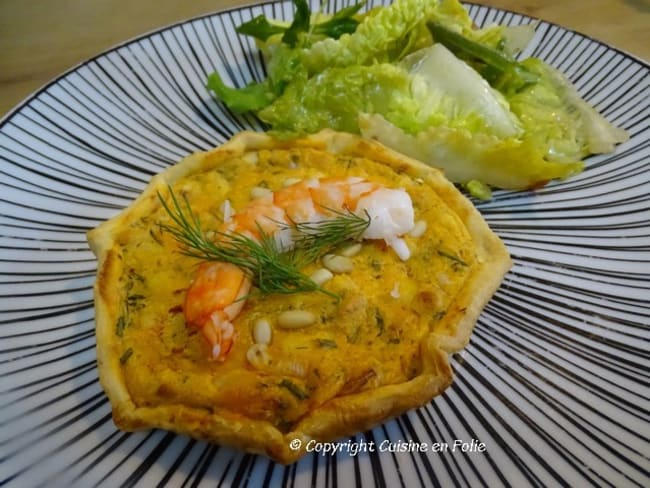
(217, 294)
(213, 300)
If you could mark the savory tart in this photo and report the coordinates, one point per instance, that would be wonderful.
(271, 290)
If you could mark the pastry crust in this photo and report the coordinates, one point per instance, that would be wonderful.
(166, 385)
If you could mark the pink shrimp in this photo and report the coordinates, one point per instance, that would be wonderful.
(213, 300)
(216, 296)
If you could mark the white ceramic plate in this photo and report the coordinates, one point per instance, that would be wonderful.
(555, 382)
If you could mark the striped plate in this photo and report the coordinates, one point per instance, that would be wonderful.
(553, 389)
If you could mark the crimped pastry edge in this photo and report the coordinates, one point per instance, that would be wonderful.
(340, 416)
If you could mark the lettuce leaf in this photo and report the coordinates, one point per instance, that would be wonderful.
(464, 156)
(429, 88)
(335, 98)
(421, 78)
(380, 38)
(254, 96)
(392, 32)
(280, 44)
(558, 121)
(431, 106)
(469, 95)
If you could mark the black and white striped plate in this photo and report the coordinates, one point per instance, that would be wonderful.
(555, 382)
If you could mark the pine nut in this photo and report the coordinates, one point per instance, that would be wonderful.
(321, 276)
(351, 250)
(226, 210)
(292, 368)
(418, 229)
(290, 181)
(251, 157)
(262, 332)
(395, 291)
(260, 192)
(296, 319)
(258, 356)
(337, 264)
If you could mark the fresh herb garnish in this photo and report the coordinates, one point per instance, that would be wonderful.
(315, 239)
(271, 269)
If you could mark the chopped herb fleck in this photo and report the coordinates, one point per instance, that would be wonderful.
(327, 343)
(134, 299)
(379, 320)
(294, 389)
(284, 425)
(155, 237)
(351, 163)
(127, 354)
(354, 336)
(120, 326)
(136, 276)
(453, 257)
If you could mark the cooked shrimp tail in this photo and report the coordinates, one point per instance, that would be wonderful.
(213, 300)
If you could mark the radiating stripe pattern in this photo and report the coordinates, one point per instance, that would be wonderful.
(554, 385)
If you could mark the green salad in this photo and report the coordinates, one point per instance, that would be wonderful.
(419, 77)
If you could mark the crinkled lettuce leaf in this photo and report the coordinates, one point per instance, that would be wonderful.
(465, 156)
(336, 96)
(558, 121)
(467, 94)
(382, 37)
(430, 88)
(421, 78)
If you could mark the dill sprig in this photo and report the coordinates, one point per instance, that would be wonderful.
(315, 239)
(271, 269)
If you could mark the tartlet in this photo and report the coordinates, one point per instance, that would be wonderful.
(378, 350)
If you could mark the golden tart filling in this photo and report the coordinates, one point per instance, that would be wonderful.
(274, 290)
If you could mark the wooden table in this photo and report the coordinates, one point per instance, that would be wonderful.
(40, 39)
